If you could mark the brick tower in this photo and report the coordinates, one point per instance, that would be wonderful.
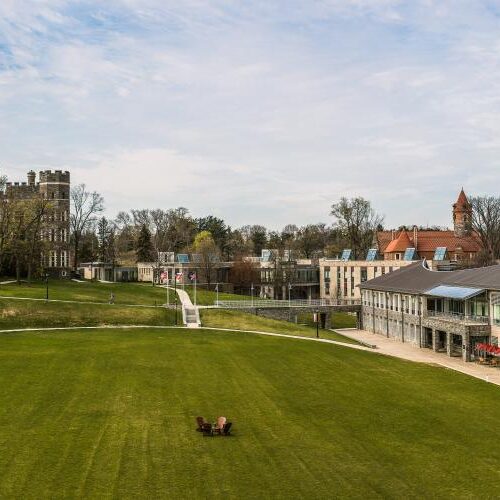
(55, 187)
(462, 215)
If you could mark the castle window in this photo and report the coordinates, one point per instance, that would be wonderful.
(52, 195)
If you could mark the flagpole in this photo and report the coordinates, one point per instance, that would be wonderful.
(195, 280)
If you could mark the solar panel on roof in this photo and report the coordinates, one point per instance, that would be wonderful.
(440, 253)
(346, 254)
(183, 258)
(371, 255)
(196, 257)
(410, 254)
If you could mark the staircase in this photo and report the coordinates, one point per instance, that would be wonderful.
(191, 316)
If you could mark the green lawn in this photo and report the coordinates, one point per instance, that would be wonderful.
(339, 320)
(238, 320)
(30, 313)
(208, 297)
(125, 293)
(110, 414)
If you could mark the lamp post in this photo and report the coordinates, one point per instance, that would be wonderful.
(217, 290)
(251, 291)
(317, 323)
(175, 300)
(175, 296)
(47, 286)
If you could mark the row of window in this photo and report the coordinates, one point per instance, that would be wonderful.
(54, 235)
(56, 216)
(392, 301)
(58, 259)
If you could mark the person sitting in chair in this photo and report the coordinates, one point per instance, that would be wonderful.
(221, 421)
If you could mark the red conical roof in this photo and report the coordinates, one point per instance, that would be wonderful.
(462, 199)
(400, 244)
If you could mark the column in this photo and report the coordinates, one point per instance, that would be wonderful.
(434, 340)
(449, 337)
(466, 347)
(328, 320)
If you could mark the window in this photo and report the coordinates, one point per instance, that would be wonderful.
(327, 274)
(364, 274)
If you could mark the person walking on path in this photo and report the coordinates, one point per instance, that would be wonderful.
(111, 298)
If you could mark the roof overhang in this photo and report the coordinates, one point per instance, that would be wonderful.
(454, 292)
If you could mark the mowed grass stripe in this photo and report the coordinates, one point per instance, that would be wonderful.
(111, 414)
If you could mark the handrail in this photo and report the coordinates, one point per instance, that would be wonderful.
(266, 303)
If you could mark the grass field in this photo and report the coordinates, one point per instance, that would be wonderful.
(222, 318)
(125, 293)
(110, 413)
(208, 297)
(339, 320)
(30, 313)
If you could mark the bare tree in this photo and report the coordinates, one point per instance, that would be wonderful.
(486, 224)
(86, 206)
(357, 221)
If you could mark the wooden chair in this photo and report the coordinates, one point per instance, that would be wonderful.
(226, 430)
(200, 421)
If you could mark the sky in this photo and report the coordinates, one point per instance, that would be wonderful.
(259, 112)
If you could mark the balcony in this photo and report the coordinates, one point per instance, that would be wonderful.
(458, 317)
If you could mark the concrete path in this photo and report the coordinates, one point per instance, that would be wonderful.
(411, 352)
(190, 313)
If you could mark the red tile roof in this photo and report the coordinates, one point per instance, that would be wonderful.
(427, 241)
(400, 244)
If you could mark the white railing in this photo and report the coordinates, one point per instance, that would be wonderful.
(458, 316)
(264, 303)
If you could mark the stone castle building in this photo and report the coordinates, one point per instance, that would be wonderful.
(55, 231)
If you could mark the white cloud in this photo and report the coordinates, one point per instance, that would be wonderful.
(255, 112)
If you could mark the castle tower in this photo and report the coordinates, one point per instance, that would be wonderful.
(55, 187)
(462, 215)
(31, 178)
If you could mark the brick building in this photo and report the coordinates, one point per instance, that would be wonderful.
(461, 244)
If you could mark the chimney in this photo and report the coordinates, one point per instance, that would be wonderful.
(415, 237)
(392, 234)
(31, 178)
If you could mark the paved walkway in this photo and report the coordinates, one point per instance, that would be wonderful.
(191, 313)
(411, 352)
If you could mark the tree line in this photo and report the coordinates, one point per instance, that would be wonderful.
(140, 234)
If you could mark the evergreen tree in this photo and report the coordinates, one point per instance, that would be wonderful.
(144, 247)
